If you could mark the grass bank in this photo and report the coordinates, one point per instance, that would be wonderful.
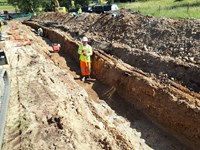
(166, 8)
(5, 6)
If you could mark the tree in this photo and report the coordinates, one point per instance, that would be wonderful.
(27, 6)
(110, 1)
(82, 3)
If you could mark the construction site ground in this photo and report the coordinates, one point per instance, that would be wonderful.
(51, 108)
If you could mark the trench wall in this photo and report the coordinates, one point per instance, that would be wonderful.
(172, 107)
(186, 73)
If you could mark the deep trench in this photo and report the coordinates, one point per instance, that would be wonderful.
(161, 104)
(166, 68)
(127, 110)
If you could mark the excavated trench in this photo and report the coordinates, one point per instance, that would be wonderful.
(163, 47)
(185, 74)
(171, 106)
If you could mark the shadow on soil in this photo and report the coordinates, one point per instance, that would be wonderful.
(137, 119)
(126, 110)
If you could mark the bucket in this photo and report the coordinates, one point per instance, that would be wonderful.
(56, 47)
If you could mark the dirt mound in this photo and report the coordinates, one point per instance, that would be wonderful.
(50, 109)
(141, 41)
(170, 105)
(175, 38)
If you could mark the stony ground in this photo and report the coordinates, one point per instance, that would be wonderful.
(50, 108)
(141, 41)
(177, 38)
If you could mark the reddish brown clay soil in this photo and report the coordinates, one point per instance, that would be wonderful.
(168, 104)
(168, 48)
(50, 108)
(144, 93)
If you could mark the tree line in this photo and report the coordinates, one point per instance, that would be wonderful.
(27, 6)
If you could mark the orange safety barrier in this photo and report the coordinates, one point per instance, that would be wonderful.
(12, 32)
(19, 37)
(12, 38)
(24, 43)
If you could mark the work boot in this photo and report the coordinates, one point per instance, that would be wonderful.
(83, 79)
(88, 77)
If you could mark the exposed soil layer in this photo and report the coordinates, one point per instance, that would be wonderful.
(50, 108)
(172, 106)
(167, 48)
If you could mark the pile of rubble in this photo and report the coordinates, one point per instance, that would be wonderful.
(177, 38)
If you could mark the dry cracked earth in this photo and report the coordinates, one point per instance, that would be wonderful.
(51, 109)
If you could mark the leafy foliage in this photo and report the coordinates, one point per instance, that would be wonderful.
(27, 5)
(34, 5)
(81, 2)
(110, 1)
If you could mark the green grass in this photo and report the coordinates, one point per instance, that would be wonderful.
(166, 8)
(3, 1)
(7, 7)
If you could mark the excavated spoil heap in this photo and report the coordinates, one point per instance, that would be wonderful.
(162, 47)
(174, 44)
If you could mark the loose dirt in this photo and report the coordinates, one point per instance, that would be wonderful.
(141, 41)
(50, 108)
(177, 38)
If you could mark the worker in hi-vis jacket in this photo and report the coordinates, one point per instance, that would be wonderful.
(85, 51)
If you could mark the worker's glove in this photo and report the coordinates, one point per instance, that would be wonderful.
(84, 54)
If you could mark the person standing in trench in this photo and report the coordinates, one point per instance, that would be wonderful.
(85, 52)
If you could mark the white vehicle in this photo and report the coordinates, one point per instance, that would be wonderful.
(114, 7)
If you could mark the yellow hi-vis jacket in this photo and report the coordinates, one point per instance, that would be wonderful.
(85, 50)
(79, 11)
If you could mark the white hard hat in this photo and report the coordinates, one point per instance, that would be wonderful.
(84, 39)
